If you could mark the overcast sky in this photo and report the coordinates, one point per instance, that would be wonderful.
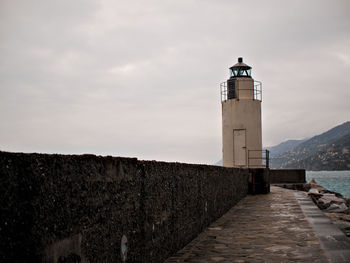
(141, 78)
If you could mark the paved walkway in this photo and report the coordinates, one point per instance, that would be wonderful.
(260, 228)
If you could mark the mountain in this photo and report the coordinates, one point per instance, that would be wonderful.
(327, 151)
(283, 147)
(333, 157)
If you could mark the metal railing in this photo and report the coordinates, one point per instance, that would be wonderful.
(223, 91)
(257, 91)
(258, 158)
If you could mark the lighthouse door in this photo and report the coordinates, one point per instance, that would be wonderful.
(239, 147)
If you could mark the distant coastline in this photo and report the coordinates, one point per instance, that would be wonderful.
(329, 151)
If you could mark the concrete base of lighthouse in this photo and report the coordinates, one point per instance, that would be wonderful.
(241, 133)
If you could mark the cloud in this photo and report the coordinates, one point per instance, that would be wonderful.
(136, 78)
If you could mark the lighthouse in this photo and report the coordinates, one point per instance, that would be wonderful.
(241, 118)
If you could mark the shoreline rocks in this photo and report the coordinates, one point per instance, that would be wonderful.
(335, 206)
(328, 200)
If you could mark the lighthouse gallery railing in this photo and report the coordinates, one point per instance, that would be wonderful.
(257, 91)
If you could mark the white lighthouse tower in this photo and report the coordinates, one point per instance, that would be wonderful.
(241, 118)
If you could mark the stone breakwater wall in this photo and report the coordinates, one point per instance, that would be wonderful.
(287, 176)
(87, 208)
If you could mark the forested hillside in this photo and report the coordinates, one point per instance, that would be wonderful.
(327, 151)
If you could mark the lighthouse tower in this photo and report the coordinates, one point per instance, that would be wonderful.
(241, 118)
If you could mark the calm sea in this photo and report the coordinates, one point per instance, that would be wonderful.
(337, 181)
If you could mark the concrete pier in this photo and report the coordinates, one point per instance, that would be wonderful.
(283, 226)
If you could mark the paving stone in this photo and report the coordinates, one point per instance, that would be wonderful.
(260, 228)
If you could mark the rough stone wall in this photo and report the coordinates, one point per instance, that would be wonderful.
(57, 207)
(77, 208)
(192, 197)
(284, 176)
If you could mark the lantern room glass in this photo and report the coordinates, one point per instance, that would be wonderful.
(237, 72)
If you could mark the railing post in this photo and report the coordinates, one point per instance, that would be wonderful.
(267, 159)
(248, 159)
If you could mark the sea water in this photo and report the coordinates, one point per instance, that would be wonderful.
(336, 181)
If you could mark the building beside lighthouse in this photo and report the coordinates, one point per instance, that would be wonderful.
(241, 118)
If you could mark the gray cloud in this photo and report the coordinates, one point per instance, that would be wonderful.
(141, 78)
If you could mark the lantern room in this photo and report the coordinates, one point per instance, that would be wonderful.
(240, 70)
